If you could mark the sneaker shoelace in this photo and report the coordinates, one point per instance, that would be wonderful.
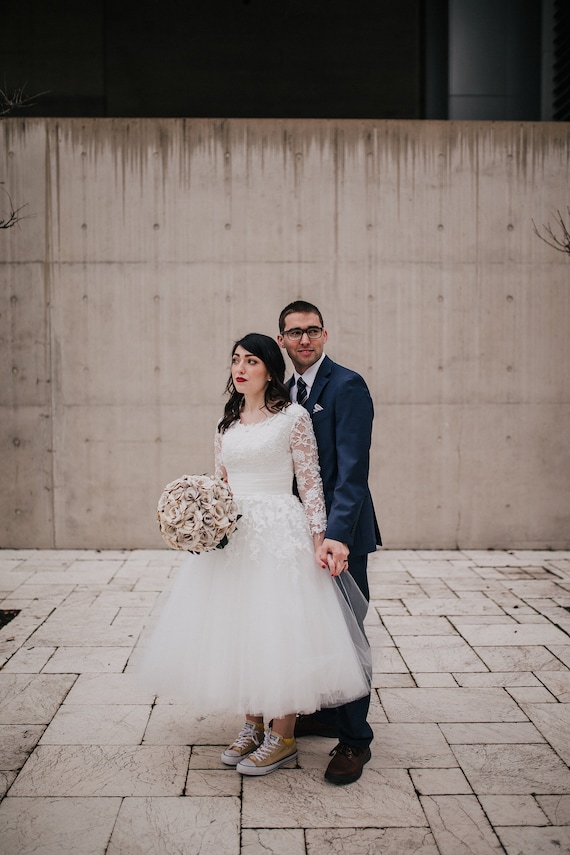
(246, 734)
(269, 744)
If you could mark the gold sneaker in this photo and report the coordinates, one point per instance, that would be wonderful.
(248, 739)
(275, 752)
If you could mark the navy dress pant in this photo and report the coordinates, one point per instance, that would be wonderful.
(351, 719)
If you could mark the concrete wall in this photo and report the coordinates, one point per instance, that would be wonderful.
(153, 244)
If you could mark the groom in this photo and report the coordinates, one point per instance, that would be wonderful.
(342, 412)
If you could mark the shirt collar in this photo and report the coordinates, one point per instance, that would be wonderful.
(310, 374)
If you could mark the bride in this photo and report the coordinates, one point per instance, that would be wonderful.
(260, 627)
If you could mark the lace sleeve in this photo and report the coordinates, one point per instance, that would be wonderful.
(307, 472)
(219, 468)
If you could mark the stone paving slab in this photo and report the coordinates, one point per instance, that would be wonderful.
(103, 770)
(470, 708)
(57, 826)
(459, 825)
(301, 798)
(149, 826)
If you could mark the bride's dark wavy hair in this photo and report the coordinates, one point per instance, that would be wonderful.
(276, 393)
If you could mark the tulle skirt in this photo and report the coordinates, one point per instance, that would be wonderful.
(258, 627)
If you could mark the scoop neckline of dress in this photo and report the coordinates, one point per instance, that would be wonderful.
(259, 424)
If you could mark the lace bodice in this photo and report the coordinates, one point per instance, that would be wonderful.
(261, 459)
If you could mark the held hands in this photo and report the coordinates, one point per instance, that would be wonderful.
(334, 555)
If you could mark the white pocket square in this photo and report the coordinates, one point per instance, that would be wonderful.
(317, 408)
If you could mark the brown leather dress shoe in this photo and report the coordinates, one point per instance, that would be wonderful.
(346, 764)
(309, 725)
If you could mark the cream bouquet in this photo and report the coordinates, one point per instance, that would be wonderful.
(197, 513)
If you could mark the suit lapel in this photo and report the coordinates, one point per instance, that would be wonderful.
(321, 380)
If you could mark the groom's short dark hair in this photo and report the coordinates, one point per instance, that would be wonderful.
(298, 306)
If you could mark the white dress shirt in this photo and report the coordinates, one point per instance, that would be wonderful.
(308, 378)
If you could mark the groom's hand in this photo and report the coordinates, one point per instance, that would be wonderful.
(334, 554)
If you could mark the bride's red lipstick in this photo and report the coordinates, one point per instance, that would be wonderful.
(240, 379)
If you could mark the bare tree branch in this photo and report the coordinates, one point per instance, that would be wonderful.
(558, 242)
(9, 102)
(14, 215)
(16, 99)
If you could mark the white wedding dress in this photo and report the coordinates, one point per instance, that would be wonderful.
(258, 627)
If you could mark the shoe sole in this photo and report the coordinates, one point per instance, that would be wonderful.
(265, 770)
(347, 779)
(230, 760)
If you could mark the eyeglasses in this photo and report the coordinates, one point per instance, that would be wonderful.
(297, 333)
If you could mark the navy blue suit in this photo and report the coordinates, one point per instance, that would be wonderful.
(342, 413)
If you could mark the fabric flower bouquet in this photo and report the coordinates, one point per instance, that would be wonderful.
(197, 513)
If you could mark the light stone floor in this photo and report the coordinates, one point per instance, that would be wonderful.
(471, 713)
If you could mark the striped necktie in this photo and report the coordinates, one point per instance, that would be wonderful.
(301, 392)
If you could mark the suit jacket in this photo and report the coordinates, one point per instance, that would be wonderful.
(342, 412)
